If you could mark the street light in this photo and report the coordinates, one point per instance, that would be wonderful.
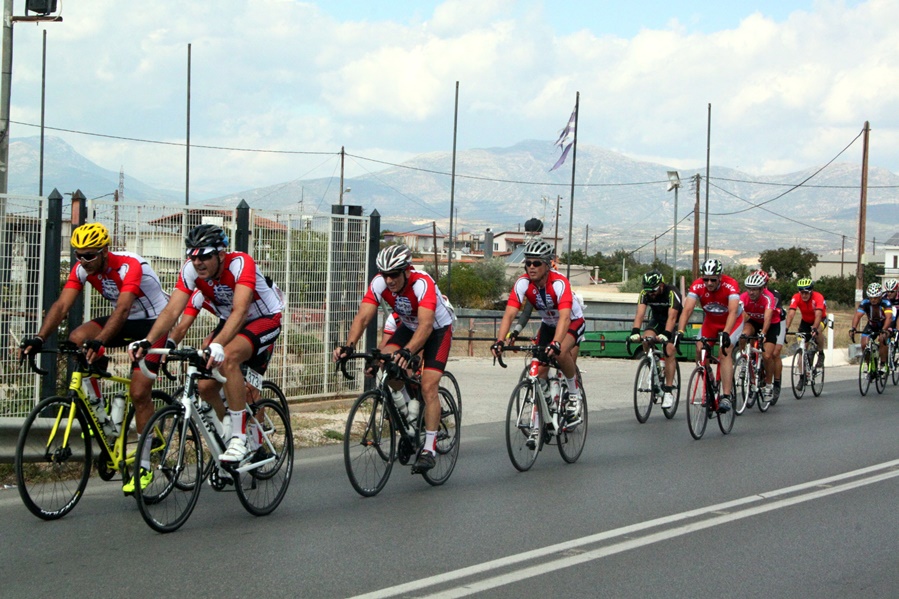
(674, 183)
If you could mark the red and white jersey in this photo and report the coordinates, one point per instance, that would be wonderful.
(420, 290)
(755, 310)
(714, 303)
(549, 300)
(238, 268)
(125, 273)
(198, 303)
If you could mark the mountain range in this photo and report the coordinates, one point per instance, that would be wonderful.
(623, 201)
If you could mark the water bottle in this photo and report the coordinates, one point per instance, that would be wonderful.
(226, 427)
(117, 413)
(413, 408)
(92, 388)
(400, 402)
(555, 393)
(209, 414)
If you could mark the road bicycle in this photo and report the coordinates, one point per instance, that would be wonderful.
(807, 369)
(378, 433)
(176, 433)
(703, 392)
(536, 416)
(749, 376)
(649, 380)
(57, 440)
(449, 382)
(869, 366)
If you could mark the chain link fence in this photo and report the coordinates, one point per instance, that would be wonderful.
(319, 263)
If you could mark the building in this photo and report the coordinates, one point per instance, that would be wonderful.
(891, 258)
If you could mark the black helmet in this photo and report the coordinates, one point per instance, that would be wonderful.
(652, 279)
(205, 239)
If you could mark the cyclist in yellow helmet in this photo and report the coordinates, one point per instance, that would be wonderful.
(131, 285)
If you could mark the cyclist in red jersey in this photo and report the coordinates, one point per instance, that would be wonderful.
(249, 312)
(129, 283)
(762, 317)
(813, 310)
(425, 326)
(562, 327)
(719, 296)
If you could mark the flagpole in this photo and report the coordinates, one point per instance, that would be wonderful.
(577, 102)
(449, 252)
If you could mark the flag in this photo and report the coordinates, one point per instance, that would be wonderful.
(566, 139)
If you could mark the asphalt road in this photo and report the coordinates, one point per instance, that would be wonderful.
(795, 502)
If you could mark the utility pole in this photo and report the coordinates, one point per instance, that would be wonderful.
(342, 157)
(586, 241)
(436, 265)
(696, 229)
(556, 239)
(655, 254)
(708, 150)
(842, 255)
(862, 216)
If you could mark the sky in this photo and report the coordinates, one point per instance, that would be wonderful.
(790, 83)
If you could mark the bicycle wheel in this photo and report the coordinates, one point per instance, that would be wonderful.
(743, 372)
(880, 378)
(797, 374)
(449, 382)
(644, 394)
(726, 420)
(670, 412)
(894, 361)
(262, 488)
(571, 439)
(864, 381)
(53, 457)
(369, 444)
(697, 416)
(176, 463)
(131, 437)
(523, 418)
(447, 444)
(817, 377)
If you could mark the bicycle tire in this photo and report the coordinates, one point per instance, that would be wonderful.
(697, 412)
(447, 442)
(454, 389)
(797, 375)
(53, 461)
(670, 412)
(726, 420)
(817, 382)
(644, 393)
(864, 381)
(571, 439)
(176, 461)
(880, 379)
(522, 417)
(894, 361)
(369, 443)
(160, 399)
(262, 489)
(742, 383)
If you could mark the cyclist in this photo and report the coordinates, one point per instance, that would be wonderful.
(665, 307)
(719, 296)
(249, 312)
(562, 326)
(891, 292)
(762, 317)
(880, 314)
(130, 284)
(425, 325)
(813, 310)
(781, 338)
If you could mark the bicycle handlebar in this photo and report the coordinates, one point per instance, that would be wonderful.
(374, 356)
(652, 340)
(539, 352)
(65, 348)
(197, 359)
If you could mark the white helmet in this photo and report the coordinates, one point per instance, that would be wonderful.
(890, 285)
(754, 281)
(538, 248)
(711, 268)
(394, 257)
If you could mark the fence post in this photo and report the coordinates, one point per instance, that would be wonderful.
(52, 249)
(470, 336)
(242, 234)
(374, 245)
(79, 217)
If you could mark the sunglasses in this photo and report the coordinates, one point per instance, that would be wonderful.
(710, 279)
(804, 291)
(201, 257)
(393, 274)
(533, 263)
(87, 256)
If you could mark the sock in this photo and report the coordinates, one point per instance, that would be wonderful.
(239, 424)
(572, 387)
(430, 442)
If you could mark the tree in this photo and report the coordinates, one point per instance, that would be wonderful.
(789, 263)
(476, 284)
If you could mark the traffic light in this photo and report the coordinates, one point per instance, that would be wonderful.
(41, 7)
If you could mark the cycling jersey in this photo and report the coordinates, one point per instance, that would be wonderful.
(198, 303)
(715, 303)
(807, 308)
(420, 290)
(125, 273)
(755, 310)
(238, 268)
(548, 300)
(879, 314)
(660, 303)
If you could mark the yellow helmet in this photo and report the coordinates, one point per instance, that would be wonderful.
(91, 235)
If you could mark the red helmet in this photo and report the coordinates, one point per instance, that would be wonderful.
(762, 274)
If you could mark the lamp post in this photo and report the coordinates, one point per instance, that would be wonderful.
(674, 183)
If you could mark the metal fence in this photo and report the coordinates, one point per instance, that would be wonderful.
(321, 264)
